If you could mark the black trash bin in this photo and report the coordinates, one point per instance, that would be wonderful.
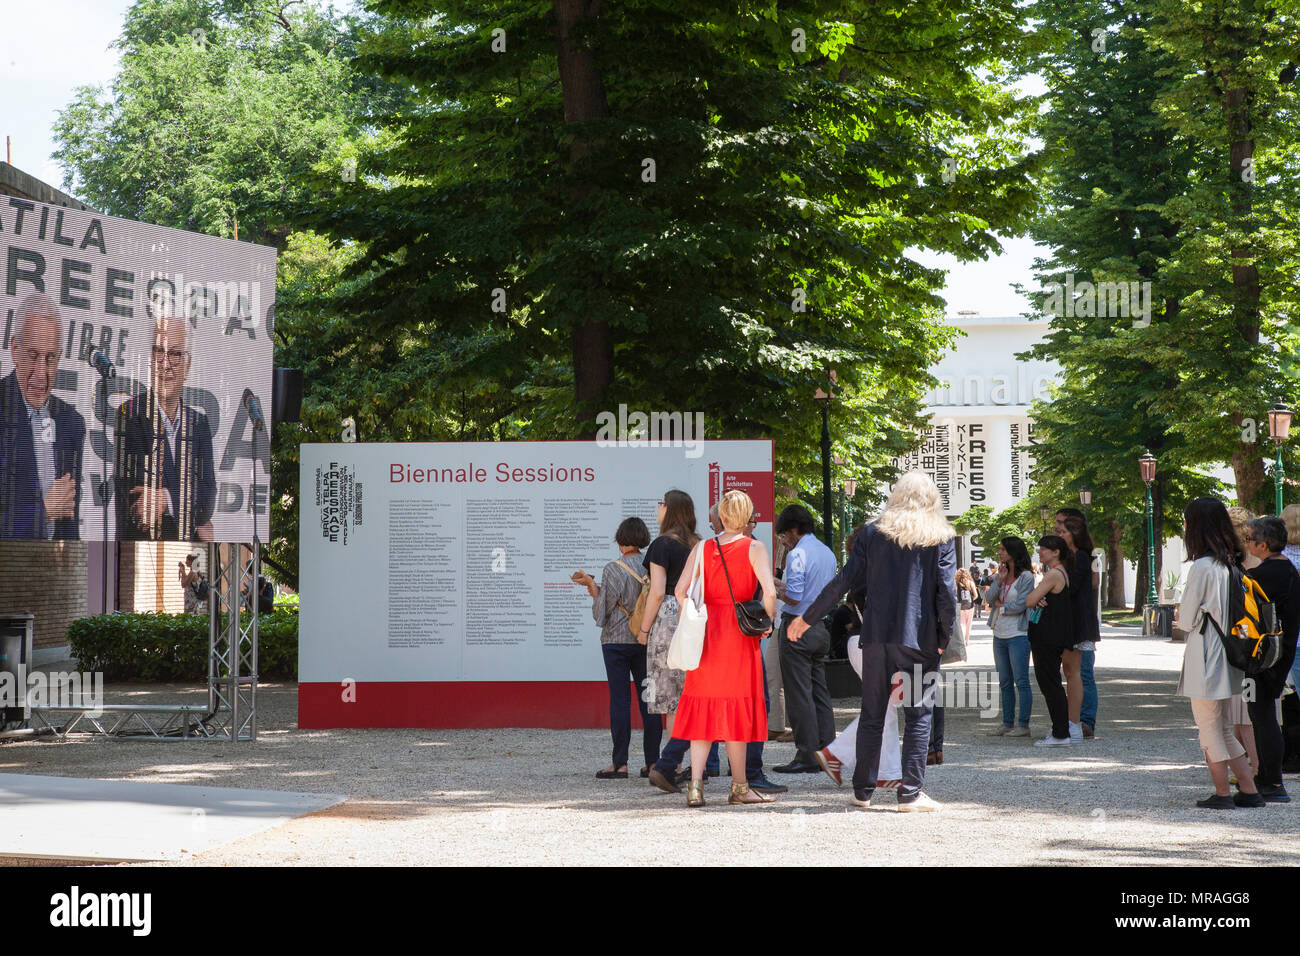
(1158, 620)
(16, 659)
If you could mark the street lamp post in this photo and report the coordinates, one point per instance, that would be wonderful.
(1279, 429)
(1147, 463)
(847, 491)
(824, 399)
(1085, 500)
(1043, 514)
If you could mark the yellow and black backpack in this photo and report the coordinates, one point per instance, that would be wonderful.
(1255, 642)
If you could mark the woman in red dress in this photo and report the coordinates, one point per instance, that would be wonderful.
(723, 697)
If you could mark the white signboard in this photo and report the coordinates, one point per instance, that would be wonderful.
(452, 562)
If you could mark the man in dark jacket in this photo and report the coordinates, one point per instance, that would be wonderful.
(911, 604)
(166, 486)
(41, 436)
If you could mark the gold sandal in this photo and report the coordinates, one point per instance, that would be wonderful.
(739, 791)
(695, 793)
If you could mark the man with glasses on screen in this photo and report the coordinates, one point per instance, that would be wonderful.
(41, 437)
(166, 486)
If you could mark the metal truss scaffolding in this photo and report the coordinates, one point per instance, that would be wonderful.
(231, 712)
(232, 642)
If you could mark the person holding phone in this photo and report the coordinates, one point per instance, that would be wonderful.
(1007, 595)
(1051, 633)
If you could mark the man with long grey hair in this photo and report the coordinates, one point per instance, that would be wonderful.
(907, 563)
(41, 436)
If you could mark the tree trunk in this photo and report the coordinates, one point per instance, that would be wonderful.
(583, 91)
(1247, 466)
(1140, 586)
(1115, 565)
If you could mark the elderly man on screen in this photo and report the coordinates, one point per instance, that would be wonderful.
(166, 486)
(41, 436)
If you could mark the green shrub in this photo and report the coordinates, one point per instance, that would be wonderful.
(174, 647)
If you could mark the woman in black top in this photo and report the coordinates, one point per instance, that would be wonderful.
(1083, 601)
(665, 559)
(1052, 634)
(1277, 576)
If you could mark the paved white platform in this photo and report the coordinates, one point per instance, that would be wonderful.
(71, 818)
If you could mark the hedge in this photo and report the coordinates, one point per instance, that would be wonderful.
(174, 647)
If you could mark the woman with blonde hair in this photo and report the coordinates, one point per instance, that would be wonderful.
(723, 697)
(908, 558)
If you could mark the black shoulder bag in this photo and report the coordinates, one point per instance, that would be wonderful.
(751, 616)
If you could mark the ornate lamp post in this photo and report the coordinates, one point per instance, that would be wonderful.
(847, 491)
(824, 399)
(1043, 515)
(1279, 429)
(1085, 499)
(1147, 463)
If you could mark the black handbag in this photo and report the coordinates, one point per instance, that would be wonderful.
(751, 616)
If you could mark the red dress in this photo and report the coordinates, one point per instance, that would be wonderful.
(723, 697)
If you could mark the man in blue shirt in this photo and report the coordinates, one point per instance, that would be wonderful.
(809, 567)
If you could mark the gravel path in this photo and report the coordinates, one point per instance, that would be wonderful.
(424, 797)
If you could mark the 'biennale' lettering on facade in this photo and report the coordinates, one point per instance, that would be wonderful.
(978, 445)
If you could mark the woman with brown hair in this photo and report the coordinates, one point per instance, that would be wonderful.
(1207, 677)
(665, 559)
(723, 697)
(1051, 635)
(1073, 529)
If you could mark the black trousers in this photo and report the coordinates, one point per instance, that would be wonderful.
(936, 728)
(807, 698)
(1047, 671)
(1268, 740)
(921, 669)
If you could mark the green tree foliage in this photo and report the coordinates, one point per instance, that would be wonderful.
(220, 110)
(987, 527)
(1125, 174)
(681, 211)
(1232, 94)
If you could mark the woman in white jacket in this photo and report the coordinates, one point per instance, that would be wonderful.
(1207, 677)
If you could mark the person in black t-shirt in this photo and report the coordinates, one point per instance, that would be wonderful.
(1278, 577)
(665, 559)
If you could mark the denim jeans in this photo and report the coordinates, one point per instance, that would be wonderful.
(624, 662)
(1011, 654)
(1088, 712)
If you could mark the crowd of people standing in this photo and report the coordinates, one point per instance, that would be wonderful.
(907, 608)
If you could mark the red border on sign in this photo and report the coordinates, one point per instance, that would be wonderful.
(458, 705)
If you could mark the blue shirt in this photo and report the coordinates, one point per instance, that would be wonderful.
(809, 567)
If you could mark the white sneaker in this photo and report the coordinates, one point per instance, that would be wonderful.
(1050, 741)
(922, 804)
(1076, 733)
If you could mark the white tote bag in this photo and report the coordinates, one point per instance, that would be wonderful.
(688, 640)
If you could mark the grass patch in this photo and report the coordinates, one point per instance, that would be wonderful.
(1121, 617)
